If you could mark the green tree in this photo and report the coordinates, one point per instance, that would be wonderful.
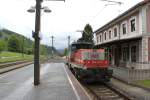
(1, 34)
(14, 44)
(28, 51)
(87, 34)
(2, 46)
(65, 52)
(43, 50)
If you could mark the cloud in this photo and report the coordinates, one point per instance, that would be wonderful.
(64, 19)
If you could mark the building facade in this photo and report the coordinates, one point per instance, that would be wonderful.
(127, 38)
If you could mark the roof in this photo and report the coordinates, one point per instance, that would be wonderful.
(123, 14)
(81, 43)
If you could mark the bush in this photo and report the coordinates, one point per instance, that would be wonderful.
(2, 46)
(14, 44)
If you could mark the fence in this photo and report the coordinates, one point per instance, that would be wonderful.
(130, 75)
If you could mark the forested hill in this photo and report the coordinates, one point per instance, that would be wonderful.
(11, 41)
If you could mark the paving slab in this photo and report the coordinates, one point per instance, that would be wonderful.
(54, 85)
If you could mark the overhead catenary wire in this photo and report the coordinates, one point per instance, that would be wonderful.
(109, 2)
(116, 2)
(98, 13)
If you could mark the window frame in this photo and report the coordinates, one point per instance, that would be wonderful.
(125, 53)
(97, 38)
(133, 18)
(100, 38)
(124, 23)
(115, 34)
(110, 33)
(133, 54)
(105, 35)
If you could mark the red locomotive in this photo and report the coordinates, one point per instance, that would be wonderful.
(89, 64)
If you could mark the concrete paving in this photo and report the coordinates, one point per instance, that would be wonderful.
(55, 84)
(136, 92)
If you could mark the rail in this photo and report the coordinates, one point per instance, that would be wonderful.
(4, 65)
(106, 92)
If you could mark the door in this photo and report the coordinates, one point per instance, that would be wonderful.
(116, 57)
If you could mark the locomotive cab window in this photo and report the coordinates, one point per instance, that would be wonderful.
(73, 48)
(81, 45)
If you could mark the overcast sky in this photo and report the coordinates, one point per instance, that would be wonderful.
(64, 20)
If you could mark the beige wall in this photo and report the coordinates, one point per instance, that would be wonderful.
(148, 19)
(129, 33)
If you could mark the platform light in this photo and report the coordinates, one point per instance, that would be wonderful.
(37, 10)
(31, 9)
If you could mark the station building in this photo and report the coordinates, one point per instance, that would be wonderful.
(127, 38)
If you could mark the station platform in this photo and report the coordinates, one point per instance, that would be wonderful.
(57, 83)
(136, 92)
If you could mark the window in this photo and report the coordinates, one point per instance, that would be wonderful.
(132, 22)
(100, 38)
(115, 32)
(124, 28)
(109, 34)
(133, 53)
(125, 53)
(97, 39)
(107, 53)
(105, 35)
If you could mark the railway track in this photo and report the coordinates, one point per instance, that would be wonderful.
(104, 92)
(4, 65)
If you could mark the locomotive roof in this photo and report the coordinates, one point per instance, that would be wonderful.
(82, 43)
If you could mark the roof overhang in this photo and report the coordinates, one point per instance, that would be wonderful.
(132, 10)
(125, 40)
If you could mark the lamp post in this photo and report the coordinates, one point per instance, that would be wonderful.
(37, 43)
(37, 10)
(23, 47)
(68, 47)
(69, 42)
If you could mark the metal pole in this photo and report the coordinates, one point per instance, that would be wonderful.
(68, 46)
(68, 43)
(52, 45)
(37, 43)
(23, 47)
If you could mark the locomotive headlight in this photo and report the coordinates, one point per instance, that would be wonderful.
(105, 62)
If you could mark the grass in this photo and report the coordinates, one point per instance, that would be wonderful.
(12, 56)
(144, 83)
